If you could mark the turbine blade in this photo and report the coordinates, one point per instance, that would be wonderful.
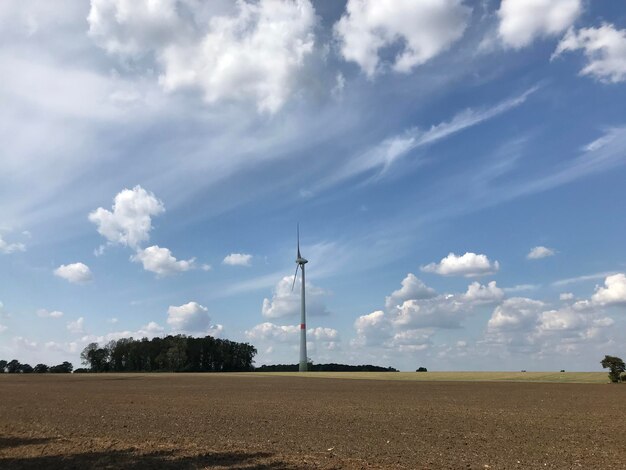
(294, 277)
(298, 229)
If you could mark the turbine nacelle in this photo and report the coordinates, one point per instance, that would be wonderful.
(300, 260)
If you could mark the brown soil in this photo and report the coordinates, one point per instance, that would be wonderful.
(259, 422)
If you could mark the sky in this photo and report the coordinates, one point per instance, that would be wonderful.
(457, 169)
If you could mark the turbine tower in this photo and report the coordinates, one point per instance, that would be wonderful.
(300, 262)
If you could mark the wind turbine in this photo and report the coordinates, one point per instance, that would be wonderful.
(300, 262)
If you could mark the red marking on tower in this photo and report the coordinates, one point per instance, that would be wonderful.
(302, 326)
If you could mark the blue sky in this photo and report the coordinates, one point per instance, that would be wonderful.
(457, 169)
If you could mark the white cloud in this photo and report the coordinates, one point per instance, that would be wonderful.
(290, 333)
(373, 328)
(539, 252)
(517, 313)
(130, 221)
(444, 311)
(468, 265)
(77, 273)
(414, 313)
(521, 21)
(412, 288)
(150, 330)
(422, 30)
(43, 313)
(8, 248)
(286, 302)
(586, 277)
(605, 49)
(244, 51)
(614, 291)
(322, 334)
(3, 328)
(391, 150)
(130, 27)
(483, 294)
(238, 259)
(160, 261)
(191, 318)
(253, 55)
(270, 331)
(566, 296)
(77, 326)
(521, 288)
(411, 340)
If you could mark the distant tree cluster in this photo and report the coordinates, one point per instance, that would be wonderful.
(617, 368)
(421, 369)
(324, 368)
(178, 353)
(15, 367)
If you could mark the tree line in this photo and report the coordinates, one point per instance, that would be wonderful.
(324, 368)
(15, 367)
(178, 353)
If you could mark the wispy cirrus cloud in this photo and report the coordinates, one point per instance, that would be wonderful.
(393, 149)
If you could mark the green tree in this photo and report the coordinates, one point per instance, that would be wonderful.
(13, 367)
(3, 366)
(64, 368)
(26, 369)
(40, 369)
(615, 365)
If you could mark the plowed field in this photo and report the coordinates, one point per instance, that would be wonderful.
(252, 421)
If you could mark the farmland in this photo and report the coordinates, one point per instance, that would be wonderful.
(288, 421)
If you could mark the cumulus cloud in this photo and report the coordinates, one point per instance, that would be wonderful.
(373, 328)
(517, 313)
(160, 261)
(286, 302)
(566, 296)
(421, 30)
(415, 312)
(521, 21)
(191, 318)
(3, 328)
(253, 55)
(76, 326)
(468, 265)
(43, 313)
(76, 273)
(479, 293)
(604, 48)
(131, 27)
(150, 330)
(8, 248)
(238, 259)
(268, 331)
(253, 51)
(130, 221)
(526, 325)
(613, 292)
(412, 288)
(539, 252)
(440, 312)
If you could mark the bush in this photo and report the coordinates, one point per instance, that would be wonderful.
(422, 369)
(622, 377)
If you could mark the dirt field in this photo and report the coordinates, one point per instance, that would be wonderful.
(286, 422)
